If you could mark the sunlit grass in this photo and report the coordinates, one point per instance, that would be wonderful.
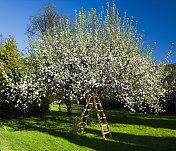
(54, 132)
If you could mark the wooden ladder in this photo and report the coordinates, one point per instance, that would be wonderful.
(94, 100)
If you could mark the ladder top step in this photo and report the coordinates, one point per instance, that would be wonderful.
(100, 110)
(105, 125)
(106, 133)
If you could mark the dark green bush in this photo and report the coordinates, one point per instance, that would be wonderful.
(170, 104)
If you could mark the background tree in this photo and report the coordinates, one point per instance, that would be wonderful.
(170, 104)
(46, 20)
(1, 39)
(9, 55)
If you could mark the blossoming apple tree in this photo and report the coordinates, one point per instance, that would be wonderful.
(102, 52)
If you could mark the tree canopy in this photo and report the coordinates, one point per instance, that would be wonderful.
(102, 52)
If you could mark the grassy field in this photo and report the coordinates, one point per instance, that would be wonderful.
(54, 132)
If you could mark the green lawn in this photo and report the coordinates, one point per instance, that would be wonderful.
(54, 132)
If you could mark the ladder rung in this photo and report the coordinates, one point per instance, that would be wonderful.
(104, 125)
(100, 110)
(83, 122)
(88, 109)
(86, 115)
(90, 103)
(98, 103)
(103, 117)
(106, 133)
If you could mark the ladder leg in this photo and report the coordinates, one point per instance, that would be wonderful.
(82, 115)
(104, 116)
(98, 116)
(86, 118)
(89, 112)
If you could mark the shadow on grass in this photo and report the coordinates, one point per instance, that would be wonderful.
(125, 117)
(58, 124)
(136, 142)
(155, 121)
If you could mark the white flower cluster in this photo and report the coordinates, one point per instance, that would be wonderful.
(22, 89)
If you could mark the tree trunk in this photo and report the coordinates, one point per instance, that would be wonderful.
(69, 109)
(67, 100)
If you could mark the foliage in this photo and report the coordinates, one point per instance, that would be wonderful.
(13, 68)
(8, 54)
(8, 58)
(9, 61)
(22, 96)
(130, 131)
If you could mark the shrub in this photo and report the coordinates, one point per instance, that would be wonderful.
(13, 77)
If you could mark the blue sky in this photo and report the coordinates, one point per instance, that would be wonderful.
(156, 17)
